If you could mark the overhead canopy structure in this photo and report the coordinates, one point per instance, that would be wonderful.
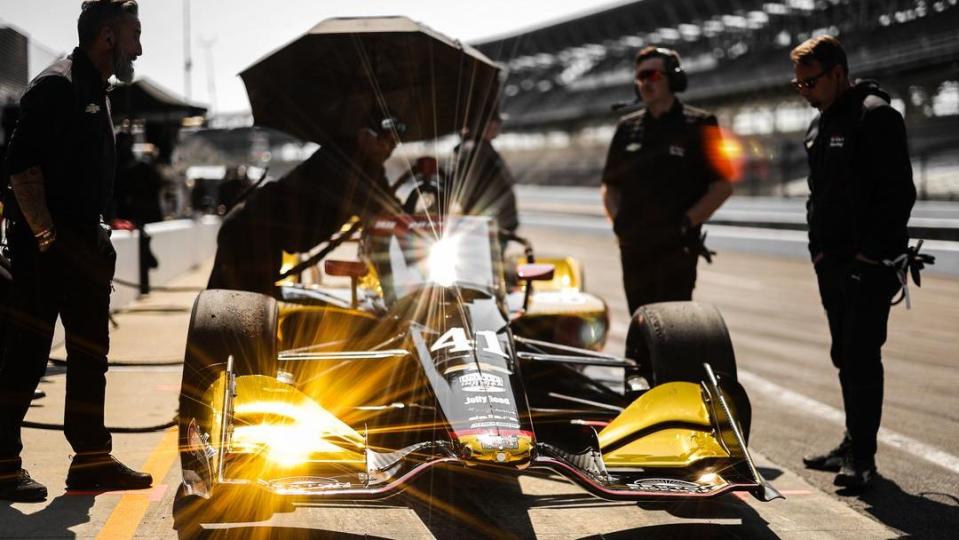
(145, 100)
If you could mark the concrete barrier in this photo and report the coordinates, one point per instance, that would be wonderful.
(179, 246)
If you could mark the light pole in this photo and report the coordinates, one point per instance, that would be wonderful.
(187, 60)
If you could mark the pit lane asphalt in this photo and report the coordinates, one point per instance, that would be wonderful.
(779, 333)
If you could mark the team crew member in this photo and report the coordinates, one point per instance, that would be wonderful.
(62, 162)
(861, 194)
(664, 177)
(487, 183)
(305, 207)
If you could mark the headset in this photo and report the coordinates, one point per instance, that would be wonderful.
(674, 71)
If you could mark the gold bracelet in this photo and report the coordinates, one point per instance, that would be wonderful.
(46, 237)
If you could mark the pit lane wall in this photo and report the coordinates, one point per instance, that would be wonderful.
(762, 225)
(178, 245)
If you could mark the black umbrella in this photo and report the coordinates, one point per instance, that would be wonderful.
(344, 72)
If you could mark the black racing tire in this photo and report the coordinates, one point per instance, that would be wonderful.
(224, 323)
(671, 341)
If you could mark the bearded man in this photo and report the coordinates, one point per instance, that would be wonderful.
(62, 161)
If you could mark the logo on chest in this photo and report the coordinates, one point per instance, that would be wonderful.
(837, 141)
(92, 108)
(676, 150)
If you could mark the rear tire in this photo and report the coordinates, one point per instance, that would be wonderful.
(224, 323)
(671, 341)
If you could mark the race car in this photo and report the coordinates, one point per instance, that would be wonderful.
(433, 348)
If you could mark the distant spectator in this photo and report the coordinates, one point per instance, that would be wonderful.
(138, 185)
(235, 184)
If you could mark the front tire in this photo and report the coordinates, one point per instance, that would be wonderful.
(671, 341)
(224, 323)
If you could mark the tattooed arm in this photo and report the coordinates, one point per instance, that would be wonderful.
(29, 189)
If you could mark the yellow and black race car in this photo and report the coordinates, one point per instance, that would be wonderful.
(424, 355)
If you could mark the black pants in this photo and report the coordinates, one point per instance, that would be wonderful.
(657, 277)
(71, 280)
(856, 297)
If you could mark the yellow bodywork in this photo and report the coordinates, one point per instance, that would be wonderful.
(282, 429)
(498, 448)
(676, 445)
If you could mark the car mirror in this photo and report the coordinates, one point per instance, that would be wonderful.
(535, 272)
(353, 269)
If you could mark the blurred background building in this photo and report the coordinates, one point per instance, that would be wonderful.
(563, 77)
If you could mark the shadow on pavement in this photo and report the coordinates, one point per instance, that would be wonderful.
(723, 507)
(769, 473)
(267, 532)
(464, 504)
(926, 515)
(681, 531)
(52, 521)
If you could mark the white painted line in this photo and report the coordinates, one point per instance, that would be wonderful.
(808, 405)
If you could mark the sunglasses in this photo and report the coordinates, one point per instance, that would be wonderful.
(808, 83)
(651, 75)
(389, 125)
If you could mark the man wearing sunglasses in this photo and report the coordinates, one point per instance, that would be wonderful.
(861, 195)
(662, 180)
(305, 207)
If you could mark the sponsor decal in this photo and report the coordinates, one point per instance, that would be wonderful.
(499, 442)
(476, 366)
(837, 141)
(481, 382)
(483, 400)
(507, 425)
(455, 340)
(668, 485)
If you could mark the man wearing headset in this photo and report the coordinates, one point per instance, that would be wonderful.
(664, 177)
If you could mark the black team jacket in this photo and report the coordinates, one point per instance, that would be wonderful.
(661, 166)
(860, 177)
(66, 130)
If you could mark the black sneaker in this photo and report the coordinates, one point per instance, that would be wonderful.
(104, 472)
(855, 474)
(19, 487)
(832, 460)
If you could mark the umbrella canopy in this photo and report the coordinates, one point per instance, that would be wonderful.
(345, 72)
(144, 99)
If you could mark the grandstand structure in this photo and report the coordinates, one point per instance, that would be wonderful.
(563, 78)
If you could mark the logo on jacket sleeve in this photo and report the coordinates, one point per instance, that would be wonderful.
(92, 108)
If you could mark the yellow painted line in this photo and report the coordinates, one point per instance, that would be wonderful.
(128, 513)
